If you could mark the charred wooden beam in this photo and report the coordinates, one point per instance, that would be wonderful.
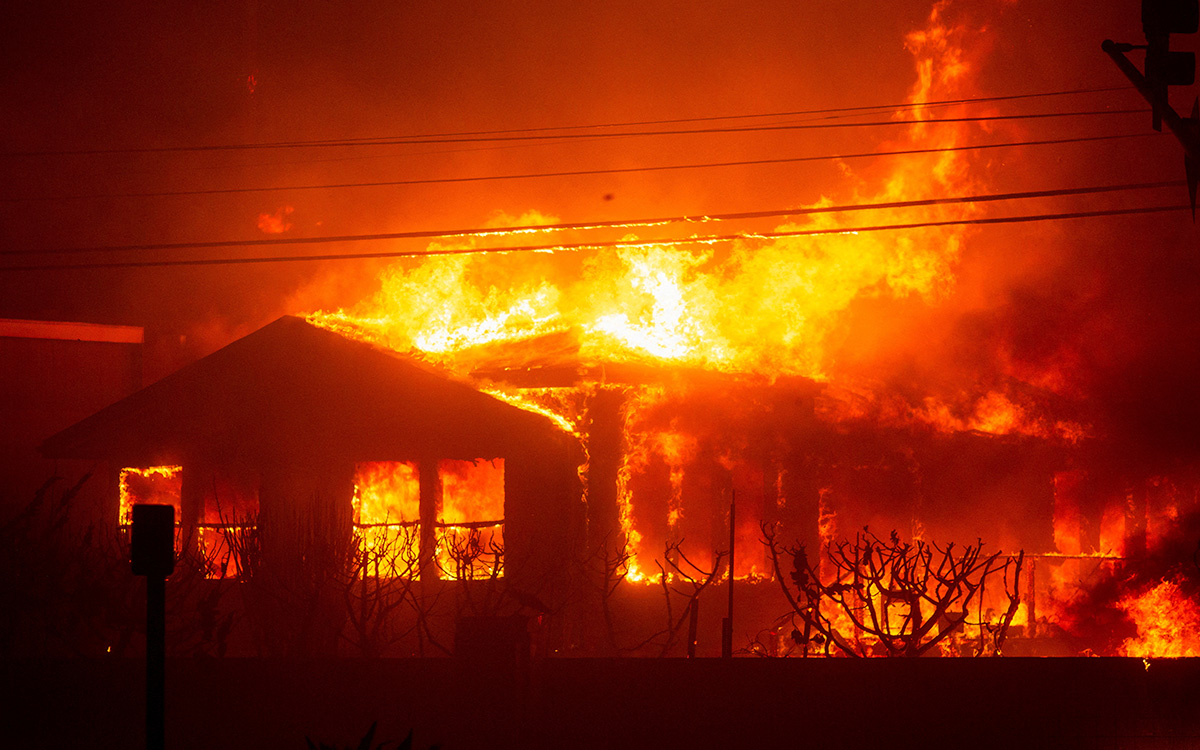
(605, 453)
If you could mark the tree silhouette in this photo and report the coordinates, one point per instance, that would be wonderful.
(893, 598)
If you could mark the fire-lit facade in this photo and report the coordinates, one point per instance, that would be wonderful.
(294, 439)
(296, 432)
(618, 408)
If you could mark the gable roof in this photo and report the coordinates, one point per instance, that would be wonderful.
(292, 388)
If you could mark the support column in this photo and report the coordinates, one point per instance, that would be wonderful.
(604, 452)
(430, 501)
(195, 484)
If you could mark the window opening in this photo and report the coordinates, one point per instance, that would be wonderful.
(470, 519)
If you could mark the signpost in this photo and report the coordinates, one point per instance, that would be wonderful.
(152, 554)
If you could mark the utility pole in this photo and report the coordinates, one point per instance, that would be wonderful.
(1164, 68)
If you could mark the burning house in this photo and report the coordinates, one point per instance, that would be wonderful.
(294, 438)
(586, 421)
(575, 492)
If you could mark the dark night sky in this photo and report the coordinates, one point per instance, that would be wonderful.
(1116, 299)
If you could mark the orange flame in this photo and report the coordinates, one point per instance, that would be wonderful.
(753, 306)
(766, 307)
(386, 507)
(155, 485)
(1168, 623)
(471, 519)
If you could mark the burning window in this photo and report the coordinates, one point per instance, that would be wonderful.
(225, 537)
(461, 515)
(387, 516)
(151, 485)
(470, 519)
(228, 528)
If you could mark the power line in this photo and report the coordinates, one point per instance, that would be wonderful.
(672, 121)
(579, 226)
(714, 239)
(412, 141)
(869, 108)
(409, 154)
(616, 224)
(575, 173)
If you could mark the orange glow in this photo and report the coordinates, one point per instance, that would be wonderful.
(472, 491)
(153, 485)
(542, 401)
(386, 513)
(470, 535)
(675, 448)
(386, 492)
(228, 522)
(469, 520)
(754, 308)
(637, 453)
(1167, 620)
(276, 223)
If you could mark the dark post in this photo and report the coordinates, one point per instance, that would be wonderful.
(152, 554)
(430, 484)
(156, 663)
(1031, 600)
(727, 624)
(693, 622)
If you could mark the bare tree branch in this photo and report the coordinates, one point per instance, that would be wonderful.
(895, 598)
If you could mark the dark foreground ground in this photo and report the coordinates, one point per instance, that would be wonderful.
(601, 703)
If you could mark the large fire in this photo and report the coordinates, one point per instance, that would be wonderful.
(658, 318)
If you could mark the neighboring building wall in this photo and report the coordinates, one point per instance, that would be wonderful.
(53, 374)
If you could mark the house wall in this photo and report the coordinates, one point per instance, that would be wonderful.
(52, 375)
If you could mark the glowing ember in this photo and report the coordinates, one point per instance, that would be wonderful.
(276, 223)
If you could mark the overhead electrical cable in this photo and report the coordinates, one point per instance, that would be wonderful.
(612, 224)
(576, 247)
(619, 224)
(412, 141)
(845, 111)
(576, 172)
(678, 120)
(475, 149)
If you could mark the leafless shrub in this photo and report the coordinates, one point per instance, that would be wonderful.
(598, 574)
(70, 591)
(894, 598)
(681, 580)
(379, 587)
(472, 554)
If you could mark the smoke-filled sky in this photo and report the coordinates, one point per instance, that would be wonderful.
(1097, 310)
